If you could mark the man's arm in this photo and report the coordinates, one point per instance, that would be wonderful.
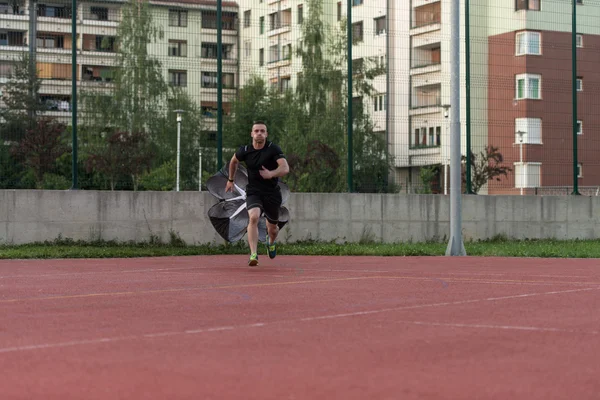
(233, 166)
(282, 169)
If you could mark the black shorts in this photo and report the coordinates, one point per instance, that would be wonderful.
(268, 202)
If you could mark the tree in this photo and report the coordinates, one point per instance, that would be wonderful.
(485, 167)
(138, 92)
(22, 102)
(194, 138)
(125, 154)
(322, 105)
(310, 123)
(41, 147)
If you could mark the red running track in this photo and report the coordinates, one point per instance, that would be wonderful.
(300, 328)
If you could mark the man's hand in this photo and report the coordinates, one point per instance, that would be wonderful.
(229, 187)
(265, 173)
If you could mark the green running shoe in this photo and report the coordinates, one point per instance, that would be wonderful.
(271, 248)
(253, 262)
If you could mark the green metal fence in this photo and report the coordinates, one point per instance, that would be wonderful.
(149, 95)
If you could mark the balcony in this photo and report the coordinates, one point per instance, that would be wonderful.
(426, 59)
(12, 38)
(427, 14)
(99, 43)
(101, 16)
(279, 22)
(228, 21)
(426, 98)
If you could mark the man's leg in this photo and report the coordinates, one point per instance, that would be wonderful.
(253, 216)
(273, 231)
(271, 204)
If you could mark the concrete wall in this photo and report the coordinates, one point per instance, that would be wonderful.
(31, 216)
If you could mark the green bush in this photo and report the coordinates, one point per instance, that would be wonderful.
(161, 179)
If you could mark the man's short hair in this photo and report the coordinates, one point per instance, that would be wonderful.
(259, 123)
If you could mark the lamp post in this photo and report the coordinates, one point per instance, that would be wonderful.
(179, 112)
(200, 170)
(446, 159)
(521, 133)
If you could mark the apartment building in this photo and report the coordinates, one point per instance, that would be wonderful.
(529, 99)
(520, 70)
(187, 51)
(272, 31)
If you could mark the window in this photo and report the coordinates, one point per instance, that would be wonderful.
(178, 18)
(528, 86)
(358, 66)
(209, 80)
(579, 40)
(300, 14)
(45, 10)
(531, 5)
(357, 105)
(209, 50)
(247, 48)
(99, 13)
(246, 18)
(527, 175)
(9, 8)
(274, 21)
(50, 42)
(228, 81)
(531, 129)
(12, 38)
(177, 48)
(380, 26)
(6, 70)
(527, 43)
(273, 53)
(261, 27)
(426, 136)
(105, 43)
(339, 11)
(357, 32)
(286, 52)
(579, 84)
(261, 57)
(285, 83)
(357, 2)
(178, 78)
(580, 127)
(579, 171)
(379, 102)
(228, 22)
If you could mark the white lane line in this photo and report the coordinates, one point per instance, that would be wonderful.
(498, 327)
(66, 344)
(307, 319)
(98, 272)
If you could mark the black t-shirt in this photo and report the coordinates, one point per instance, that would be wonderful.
(255, 159)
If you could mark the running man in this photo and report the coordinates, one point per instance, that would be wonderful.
(265, 163)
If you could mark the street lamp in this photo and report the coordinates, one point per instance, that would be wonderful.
(446, 159)
(200, 170)
(521, 133)
(179, 112)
